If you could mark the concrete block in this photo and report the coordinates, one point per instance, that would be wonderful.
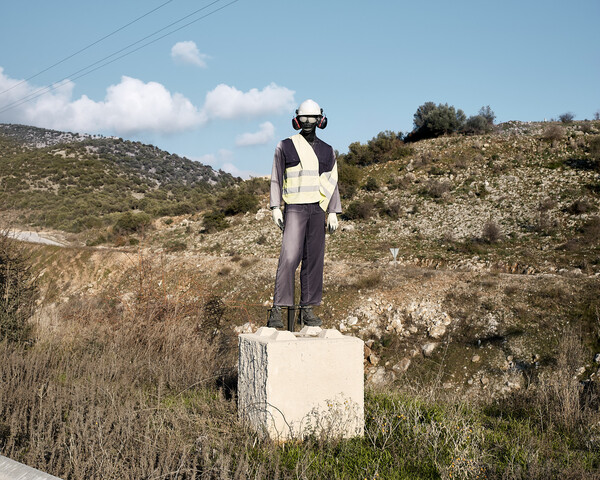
(291, 385)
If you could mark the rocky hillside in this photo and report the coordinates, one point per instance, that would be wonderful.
(73, 182)
(497, 276)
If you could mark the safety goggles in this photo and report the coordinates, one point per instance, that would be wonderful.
(306, 119)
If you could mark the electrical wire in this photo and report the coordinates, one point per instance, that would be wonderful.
(60, 83)
(86, 47)
(42, 91)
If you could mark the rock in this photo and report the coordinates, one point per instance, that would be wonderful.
(245, 328)
(352, 320)
(447, 385)
(597, 358)
(348, 228)
(413, 329)
(343, 327)
(367, 351)
(428, 349)
(402, 365)
(373, 359)
(369, 343)
(437, 331)
(484, 381)
(580, 371)
(380, 376)
(476, 359)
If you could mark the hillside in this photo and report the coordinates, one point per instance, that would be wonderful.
(496, 233)
(482, 341)
(74, 182)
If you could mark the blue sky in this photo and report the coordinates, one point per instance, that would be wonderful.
(223, 90)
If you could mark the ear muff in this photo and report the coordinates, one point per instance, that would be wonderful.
(323, 122)
(296, 123)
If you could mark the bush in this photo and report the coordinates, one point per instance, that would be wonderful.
(18, 291)
(491, 232)
(384, 147)
(130, 222)
(595, 151)
(476, 125)
(214, 221)
(348, 178)
(566, 117)
(390, 210)
(235, 202)
(554, 133)
(436, 188)
(487, 113)
(358, 210)
(371, 185)
(432, 121)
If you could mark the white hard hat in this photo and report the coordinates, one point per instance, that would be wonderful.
(309, 107)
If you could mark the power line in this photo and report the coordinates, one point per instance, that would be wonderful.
(86, 47)
(44, 90)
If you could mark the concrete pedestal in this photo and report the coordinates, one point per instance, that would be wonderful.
(291, 385)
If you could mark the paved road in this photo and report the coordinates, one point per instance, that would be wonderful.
(33, 237)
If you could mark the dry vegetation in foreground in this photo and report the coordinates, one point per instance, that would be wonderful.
(148, 392)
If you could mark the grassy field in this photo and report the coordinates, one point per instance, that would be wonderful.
(146, 389)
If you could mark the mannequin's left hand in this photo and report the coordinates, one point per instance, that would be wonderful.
(332, 222)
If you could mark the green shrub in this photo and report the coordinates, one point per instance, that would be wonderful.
(371, 185)
(432, 121)
(234, 202)
(348, 178)
(476, 125)
(390, 210)
(358, 210)
(214, 221)
(130, 222)
(18, 291)
(384, 147)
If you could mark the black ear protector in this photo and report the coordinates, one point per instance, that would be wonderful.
(322, 123)
(295, 122)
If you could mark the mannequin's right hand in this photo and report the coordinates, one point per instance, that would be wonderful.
(277, 217)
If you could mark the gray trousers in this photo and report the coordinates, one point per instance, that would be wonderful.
(303, 240)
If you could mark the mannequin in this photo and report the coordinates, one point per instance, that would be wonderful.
(304, 179)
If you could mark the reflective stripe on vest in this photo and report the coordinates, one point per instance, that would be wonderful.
(302, 183)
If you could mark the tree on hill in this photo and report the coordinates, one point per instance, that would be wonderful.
(483, 122)
(431, 121)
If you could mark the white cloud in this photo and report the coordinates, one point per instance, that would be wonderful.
(128, 107)
(228, 102)
(264, 135)
(188, 53)
(236, 172)
(133, 106)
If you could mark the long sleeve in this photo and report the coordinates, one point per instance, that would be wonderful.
(335, 205)
(277, 177)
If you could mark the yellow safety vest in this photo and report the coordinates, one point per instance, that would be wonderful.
(302, 183)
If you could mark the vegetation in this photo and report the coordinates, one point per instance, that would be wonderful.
(82, 185)
(148, 391)
(18, 290)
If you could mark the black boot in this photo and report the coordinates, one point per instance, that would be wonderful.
(275, 317)
(308, 317)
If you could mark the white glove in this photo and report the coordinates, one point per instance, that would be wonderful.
(332, 222)
(278, 217)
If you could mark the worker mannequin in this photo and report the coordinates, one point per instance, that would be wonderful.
(304, 179)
